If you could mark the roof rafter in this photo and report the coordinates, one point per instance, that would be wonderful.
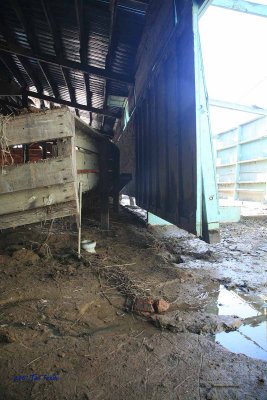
(11, 66)
(58, 46)
(9, 103)
(72, 104)
(70, 88)
(83, 35)
(103, 73)
(113, 11)
(33, 41)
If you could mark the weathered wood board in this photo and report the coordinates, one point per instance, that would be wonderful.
(37, 127)
(46, 189)
(29, 199)
(38, 214)
(34, 175)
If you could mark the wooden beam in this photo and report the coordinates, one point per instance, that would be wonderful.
(237, 107)
(38, 214)
(113, 10)
(83, 36)
(54, 171)
(58, 47)
(11, 66)
(103, 73)
(74, 105)
(10, 103)
(242, 6)
(31, 73)
(43, 126)
(60, 60)
(70, 88)
(33, 41)
(26, 25)
(49, 80)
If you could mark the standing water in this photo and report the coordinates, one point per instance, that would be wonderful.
(251, 338)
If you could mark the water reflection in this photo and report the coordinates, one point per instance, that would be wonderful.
(251, 338)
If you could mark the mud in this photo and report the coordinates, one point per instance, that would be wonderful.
(67, 318)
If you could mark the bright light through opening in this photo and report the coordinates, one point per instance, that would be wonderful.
(235, 61)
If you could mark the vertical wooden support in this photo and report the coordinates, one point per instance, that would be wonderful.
(80, 219)
(116, 179)
(207, 193)
(24, 98)
(104, 185)
(26, 153)
(45, 151)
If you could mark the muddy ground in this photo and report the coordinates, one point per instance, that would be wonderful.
(87, 329)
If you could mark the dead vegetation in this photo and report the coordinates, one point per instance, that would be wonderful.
(65, 317)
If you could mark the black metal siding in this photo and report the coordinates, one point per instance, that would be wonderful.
(165, 125)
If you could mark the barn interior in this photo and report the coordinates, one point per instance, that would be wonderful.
(126, 272)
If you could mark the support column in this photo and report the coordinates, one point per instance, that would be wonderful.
(104, 185)
(116, 180)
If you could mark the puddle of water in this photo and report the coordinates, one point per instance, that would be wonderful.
(233, 303)
(248, 340)
(251, 338)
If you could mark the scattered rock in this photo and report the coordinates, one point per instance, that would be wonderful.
(144, 305)
(161, 306)
(196, 322)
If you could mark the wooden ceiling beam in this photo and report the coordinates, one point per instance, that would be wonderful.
(33, 42)
(9, 103)
(113, 13)
(72, 104)
(102, 73)
(49, 80)
(83, 36)
(70, 88)
(11, 66)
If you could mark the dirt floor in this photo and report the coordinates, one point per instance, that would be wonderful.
(96, 328)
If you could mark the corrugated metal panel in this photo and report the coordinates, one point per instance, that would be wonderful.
(242, 162)
(165, 124)
(40, 16)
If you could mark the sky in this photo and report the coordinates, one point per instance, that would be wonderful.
(235, 62)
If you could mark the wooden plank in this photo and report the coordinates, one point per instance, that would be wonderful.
(33, 175)
(38, 214)
(41, 126)
(64, 147)
(35, 198)
(86, 161)
(88, 169)
(104, 186)
(86, 142)
(89, 180)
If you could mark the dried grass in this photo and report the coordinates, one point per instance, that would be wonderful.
(6, 157)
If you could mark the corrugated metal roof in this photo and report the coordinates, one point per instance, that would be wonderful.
(107, 32)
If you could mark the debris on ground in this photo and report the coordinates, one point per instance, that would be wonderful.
(62, 316)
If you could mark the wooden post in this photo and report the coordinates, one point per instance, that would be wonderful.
(80, 219)
(104, 185)
(116, 179)
(26, 153)
(45, 151)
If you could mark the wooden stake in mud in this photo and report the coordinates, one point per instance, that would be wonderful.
(80, 219)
